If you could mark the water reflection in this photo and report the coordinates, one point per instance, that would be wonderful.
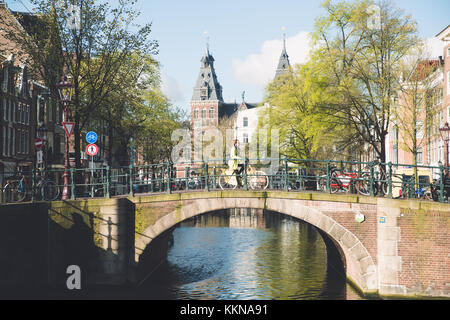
(246, 254)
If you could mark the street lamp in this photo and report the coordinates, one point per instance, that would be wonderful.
(65, 95)
(42, 131)
(445, 134)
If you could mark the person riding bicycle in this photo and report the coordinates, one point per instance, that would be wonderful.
(235, 163)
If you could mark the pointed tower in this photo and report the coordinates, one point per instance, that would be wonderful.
(207, 94)
(283, 63)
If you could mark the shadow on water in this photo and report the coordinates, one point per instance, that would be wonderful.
(246, 254)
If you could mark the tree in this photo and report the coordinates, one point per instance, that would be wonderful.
(297, 100)
(92, 52)
(359, 49)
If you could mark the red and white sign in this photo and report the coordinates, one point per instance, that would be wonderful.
(68, 128)
(38, 143)
(92, 149)
(40, 157)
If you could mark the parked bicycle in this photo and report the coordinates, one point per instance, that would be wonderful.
(21, 189)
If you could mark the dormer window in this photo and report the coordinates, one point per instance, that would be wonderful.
(204, 92)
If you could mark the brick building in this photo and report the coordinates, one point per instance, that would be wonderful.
(432, 115)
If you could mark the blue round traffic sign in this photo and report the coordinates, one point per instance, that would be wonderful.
(91, 137)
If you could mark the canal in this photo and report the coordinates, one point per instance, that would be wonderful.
(244, 254)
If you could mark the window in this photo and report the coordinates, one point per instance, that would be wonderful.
(448, 52)
(245, 137)
(204, 93)
(245, 121)
(419, 129)
(448, 83)
(196, 114)
(419, 156)
(211, 113)
(204, 113)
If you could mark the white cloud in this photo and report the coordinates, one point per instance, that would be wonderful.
(259, 68)
(171, 88)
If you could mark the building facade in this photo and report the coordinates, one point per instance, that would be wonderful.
(432, 114)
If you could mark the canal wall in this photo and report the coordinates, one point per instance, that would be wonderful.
(39, 241)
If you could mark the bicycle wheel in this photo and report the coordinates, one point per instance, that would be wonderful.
(322, 184)
(227, 182)
(50, 191)
(334, 185)
(363, 187)
(259, 180)
(14, 192)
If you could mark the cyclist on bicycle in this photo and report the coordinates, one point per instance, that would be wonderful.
(235, 163)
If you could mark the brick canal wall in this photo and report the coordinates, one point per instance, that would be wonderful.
(38, 241)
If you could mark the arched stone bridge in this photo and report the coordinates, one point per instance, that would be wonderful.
(394, 251)
(401, 248)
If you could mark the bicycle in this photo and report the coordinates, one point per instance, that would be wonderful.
(256, 179)
(18, 190)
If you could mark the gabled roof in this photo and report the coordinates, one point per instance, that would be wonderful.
(444, 35)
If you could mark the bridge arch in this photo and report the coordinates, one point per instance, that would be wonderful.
(360, 266)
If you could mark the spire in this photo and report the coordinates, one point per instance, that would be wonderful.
(207, 86)
(283, 63)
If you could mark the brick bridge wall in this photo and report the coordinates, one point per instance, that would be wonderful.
(401, 249)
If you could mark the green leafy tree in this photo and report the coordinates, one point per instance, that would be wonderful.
(359, 50)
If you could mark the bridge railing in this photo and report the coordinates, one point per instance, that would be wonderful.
(290, 175)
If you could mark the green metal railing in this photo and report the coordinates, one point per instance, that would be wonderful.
(290, 175)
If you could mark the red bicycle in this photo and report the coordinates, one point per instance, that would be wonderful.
(347, 182)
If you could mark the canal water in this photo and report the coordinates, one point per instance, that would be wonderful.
(246, 254)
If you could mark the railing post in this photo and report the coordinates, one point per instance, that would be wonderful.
(206, 175)
(371, 179)
(285, 174)
(72, 184)
(131, 180)
(107, 194)
(186, 176)
(32, 184)
(245, 175)
(328, 177)
(168, 189)
(441, 193)
(299, 178)
(390, 180)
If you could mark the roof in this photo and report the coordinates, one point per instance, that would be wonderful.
(444, 35)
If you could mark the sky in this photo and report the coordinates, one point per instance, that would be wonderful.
(245, 38)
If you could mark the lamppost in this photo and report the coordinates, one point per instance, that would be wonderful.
(43, 134)
(65, 95)
(445, 134)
